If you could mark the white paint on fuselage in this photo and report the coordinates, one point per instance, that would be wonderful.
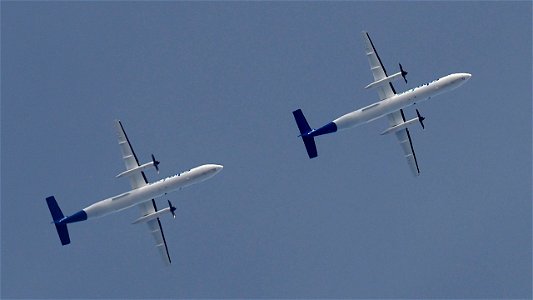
(399, 101)
(151, 191)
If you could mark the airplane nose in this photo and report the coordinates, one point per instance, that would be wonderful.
(219, 168)
(461, 78)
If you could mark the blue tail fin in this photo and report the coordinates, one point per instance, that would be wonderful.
(304, 128)
(57, 215)
(310, 146)
(56, 212)
(301, 122)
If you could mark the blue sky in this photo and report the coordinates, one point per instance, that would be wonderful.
(216, 82)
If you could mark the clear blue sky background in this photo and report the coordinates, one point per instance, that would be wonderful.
(211, 82)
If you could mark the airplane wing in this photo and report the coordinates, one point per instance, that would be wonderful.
(384, 92)
(137, 180)
(404, 137)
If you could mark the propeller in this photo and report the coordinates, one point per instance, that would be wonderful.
(172, 209)
(404, 73)
(156, 163)
(420, 119)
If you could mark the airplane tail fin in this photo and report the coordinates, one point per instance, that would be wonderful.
(57, 216)
(304, 128)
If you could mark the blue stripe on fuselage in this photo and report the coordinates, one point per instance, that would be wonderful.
(77, 217)
(328, 128)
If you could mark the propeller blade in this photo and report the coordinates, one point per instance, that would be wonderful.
(404, 73)
(420, 119)
(172, 209)
(156, 163)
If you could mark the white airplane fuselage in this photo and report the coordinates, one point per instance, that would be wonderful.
(145, 193)
(392, 104)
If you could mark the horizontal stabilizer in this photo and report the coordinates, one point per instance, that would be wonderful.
(56, 212)
(303, 126)
(62, 231)
(305, 129)
(310, 146)
(57, 215)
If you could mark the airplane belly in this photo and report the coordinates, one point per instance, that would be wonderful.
(99, 209)
(383, 108)
(148, 192)
(362, 116)
(349, 120)
(123, 201)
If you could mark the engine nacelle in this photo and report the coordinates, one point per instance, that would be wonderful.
(401, 126)
(156, 214)
(389, 79)
(151, 216)
(154, 163)
(135, 170)
(385, 80)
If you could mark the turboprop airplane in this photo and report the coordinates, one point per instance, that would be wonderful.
(391, 105)
(142, 195)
